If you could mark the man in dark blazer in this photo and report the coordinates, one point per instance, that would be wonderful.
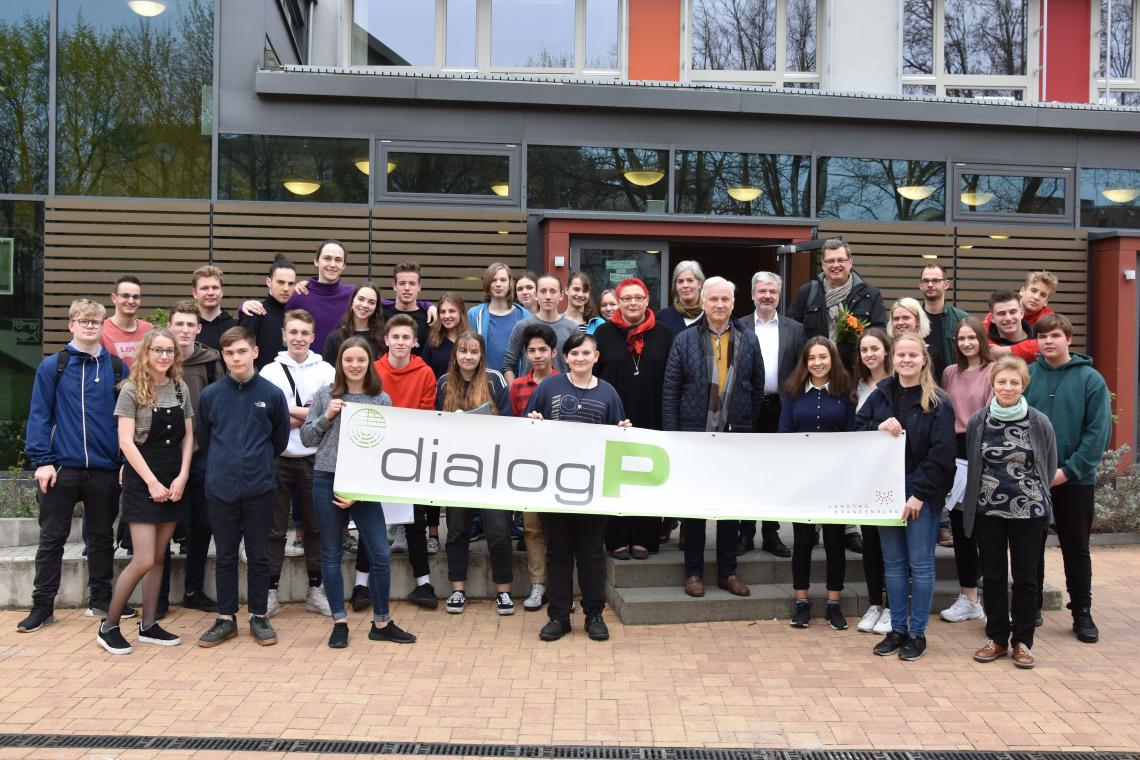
(781, 340)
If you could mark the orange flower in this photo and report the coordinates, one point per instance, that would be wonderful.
(852, 322)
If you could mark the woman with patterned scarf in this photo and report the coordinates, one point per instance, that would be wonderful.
(634, 348)
(688, 278)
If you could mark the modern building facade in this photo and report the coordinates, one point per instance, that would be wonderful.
(613, 136)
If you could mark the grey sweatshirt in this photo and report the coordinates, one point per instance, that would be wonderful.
(318, 431)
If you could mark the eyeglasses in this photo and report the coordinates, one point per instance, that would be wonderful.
(158, 351)
(833, 262)
(130, 296)
(89, 323)
(931, 280)
(634, 299)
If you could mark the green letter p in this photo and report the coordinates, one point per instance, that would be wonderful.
(614, 476)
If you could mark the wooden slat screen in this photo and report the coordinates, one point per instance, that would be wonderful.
(891, 256)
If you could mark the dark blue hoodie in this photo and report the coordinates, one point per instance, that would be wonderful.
(73, 424)
(241, 427)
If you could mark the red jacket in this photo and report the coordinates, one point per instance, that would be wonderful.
(411, 387)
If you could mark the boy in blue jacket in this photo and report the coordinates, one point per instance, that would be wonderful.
(73, 442)
(243, 425)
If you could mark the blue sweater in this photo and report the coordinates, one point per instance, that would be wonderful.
(817, 411)
(242, 427)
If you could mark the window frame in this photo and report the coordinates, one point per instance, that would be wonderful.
(956, 214)
(1028, 83)
(381, 195)
(1106, 83)
(778, 77)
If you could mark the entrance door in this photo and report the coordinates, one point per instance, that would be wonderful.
(608, 262)
(733, 261)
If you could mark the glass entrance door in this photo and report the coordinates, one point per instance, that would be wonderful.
(608, 262)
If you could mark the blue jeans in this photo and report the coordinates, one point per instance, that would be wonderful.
(908, 559)
(369, 519)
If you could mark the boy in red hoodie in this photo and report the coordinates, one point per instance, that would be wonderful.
(1033, 298)
(411, 383)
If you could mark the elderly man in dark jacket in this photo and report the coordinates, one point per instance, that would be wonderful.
(714, 381)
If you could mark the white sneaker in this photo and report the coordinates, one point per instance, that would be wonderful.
(536, 599)
(432, 545)
(883, 627)
(295, 548)
(272, 605)
(316, 601)
(870, 618)
(241, 552)
(399, 540)
(962, 609)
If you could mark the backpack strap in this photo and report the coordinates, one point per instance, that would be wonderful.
(292, 384)
(63, 357)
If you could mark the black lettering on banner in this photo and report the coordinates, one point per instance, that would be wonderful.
(587, 492)
(475, 471)
(416, 455)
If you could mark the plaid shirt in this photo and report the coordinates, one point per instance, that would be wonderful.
(522, 389)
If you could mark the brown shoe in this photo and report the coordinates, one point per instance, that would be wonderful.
(991, 651)
(1022, 657)
(733, 585)
(694, 586)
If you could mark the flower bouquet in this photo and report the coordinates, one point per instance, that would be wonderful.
(848, 327)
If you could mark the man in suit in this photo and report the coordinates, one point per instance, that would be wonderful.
(781, 340)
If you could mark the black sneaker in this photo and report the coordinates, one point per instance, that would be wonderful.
(112, 640)
(36, 619)
(890, 644)
(554, 630)
(596, 628)
(457, 602)
(801, 618)
(262, 631)
(1084, 626)
(504, 604)
(835, 618)
(392, 633)
(361, 598)
(338, 639)
(424, 596)
(223, 629)
(157, 635)
(197, 600)
(100, 611)
(913, 648)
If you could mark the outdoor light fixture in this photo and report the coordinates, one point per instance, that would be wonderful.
(652, 251)
(744, 193)
(302, 186)
(501, 188)
(977, 199)
(930, 255)
(1121, 194)
(362, 165)
(391, 166)
(644, 178)
(916, 192)
(965, 247)
(147, 8)
(999, 237)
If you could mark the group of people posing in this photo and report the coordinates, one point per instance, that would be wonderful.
(230, 426)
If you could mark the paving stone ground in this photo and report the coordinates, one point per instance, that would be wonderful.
(478, 677)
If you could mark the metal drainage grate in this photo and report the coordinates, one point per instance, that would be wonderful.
(535, 751)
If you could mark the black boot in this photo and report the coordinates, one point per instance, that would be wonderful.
(1084, 626)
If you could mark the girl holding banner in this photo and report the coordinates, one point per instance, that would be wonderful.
(910, 401)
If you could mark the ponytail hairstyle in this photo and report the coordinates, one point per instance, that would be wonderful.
(461, 395)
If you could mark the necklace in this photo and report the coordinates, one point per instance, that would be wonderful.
(589, 383)
(636, 364)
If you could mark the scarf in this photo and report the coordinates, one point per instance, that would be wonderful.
(833, 299)
(1009, 413)
(634, 334)
(716, 417)
(690, 312)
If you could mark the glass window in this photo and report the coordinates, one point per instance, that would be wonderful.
(918, 36)
(800, 46)
(1110, 198)
(919, 89)
(461, 16)
(607, 266)
(24, 38)
(602, 21)
(985, 36)
(982, 94)
(742, 184)
(597, 179)
(735, 35)
(1011, 194)
(21, 310)
(393, 33)
(448, 173)
(532, 34)
(134, 99)
(1120, 97)
(310, 169)
(880, 189)
(1116, 38)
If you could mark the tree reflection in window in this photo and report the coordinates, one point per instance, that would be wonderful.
(735, 35)
(985, 36)
(1007, 194)
(880, 189)
(801, 35)
(448, 173)
(1119, 32)
(596, 179)
(318, 169)
(918, 36)
(742, 184)
(1110, 198)
(24, 94)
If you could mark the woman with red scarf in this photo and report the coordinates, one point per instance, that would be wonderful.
(634, 348)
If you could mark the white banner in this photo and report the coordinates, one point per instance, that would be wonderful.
(475, 460)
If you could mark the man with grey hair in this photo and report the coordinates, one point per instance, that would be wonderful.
(714, 382)
(838, 286)
(781, 340)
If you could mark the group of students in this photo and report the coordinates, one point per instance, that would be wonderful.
(244, 452)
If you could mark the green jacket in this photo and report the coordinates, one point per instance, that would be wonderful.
(952, 316)
(1075, 398)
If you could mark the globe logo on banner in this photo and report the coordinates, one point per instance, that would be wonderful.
(366, 428)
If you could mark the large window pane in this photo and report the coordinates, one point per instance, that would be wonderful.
(1006, 194)
(800, 48)
(975, 92)
(393, 33)
(448, 173)
(1117, 35)
(532, 33)
(597, 179)
(606, 267)
(734, 35)
(881, 189)
(602, 34)
(134, 101)
(985, 36)
(311, 169)
(1119, 98)
(742, 184)
(21, 308)
(1110, 198)
(460, 34)
(918, 37)
(23, 96)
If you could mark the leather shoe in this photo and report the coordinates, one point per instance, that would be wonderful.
(775, 547)
(745, 545)
(853, 542)
(694, 586)
(1022, 657)
(733, 585)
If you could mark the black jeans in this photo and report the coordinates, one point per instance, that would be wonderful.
(801, 556)
(727, 534)
(633, 531)
(198, 534)
(873, 568)
(574, 539)
(497, 528)
(232, 521)
(294, 474)
(965, 552)
(1073, 508)
(767, 422)
(416, 535)
(99, 492)
(997, 539)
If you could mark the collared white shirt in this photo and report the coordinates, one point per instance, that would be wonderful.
(768, 334)
(809, 387)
